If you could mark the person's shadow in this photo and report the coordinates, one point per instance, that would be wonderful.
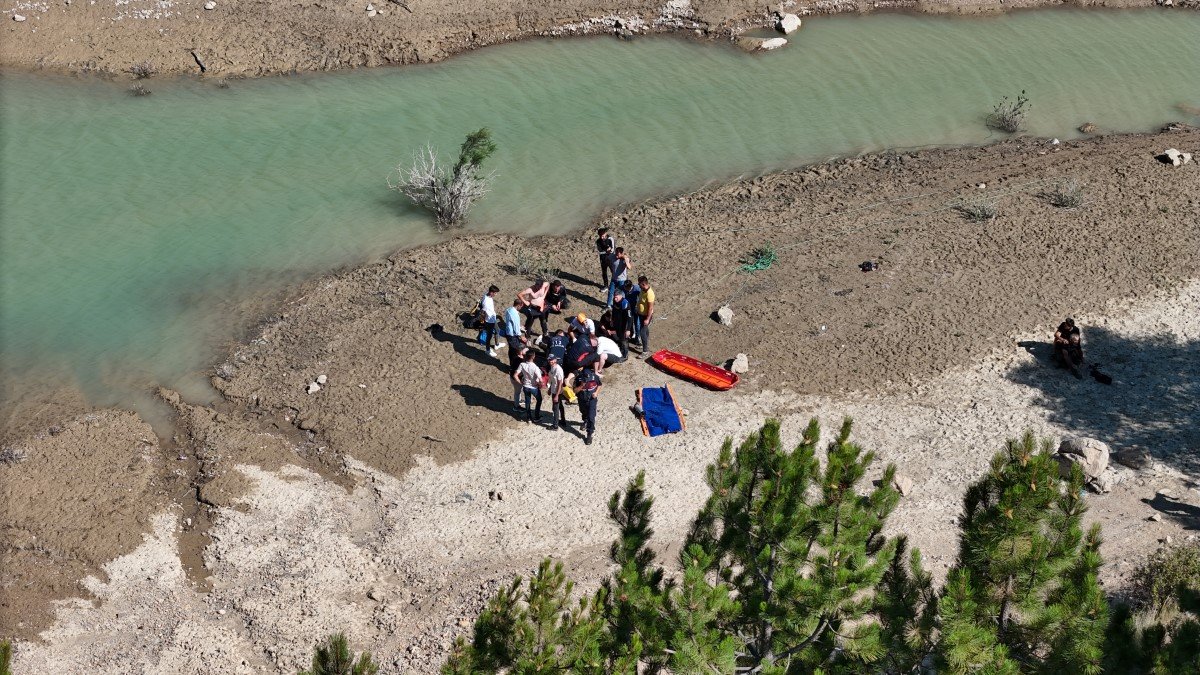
(482, 398)
(464, 346)
(1153, 400)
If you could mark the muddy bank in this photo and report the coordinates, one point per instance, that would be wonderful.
(946, 289)
(257, 37)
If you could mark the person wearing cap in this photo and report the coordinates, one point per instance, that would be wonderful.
(1068, 345)
(554, 386)
(581, 325)
(587, 392)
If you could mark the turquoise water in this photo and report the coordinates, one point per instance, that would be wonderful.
(133, 229)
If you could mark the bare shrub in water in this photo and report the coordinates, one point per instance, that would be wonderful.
(139, 90)
(448, 191)
(1067, 194)
(977, 210)
(534, 266)
(143, 70)
(1009, 115)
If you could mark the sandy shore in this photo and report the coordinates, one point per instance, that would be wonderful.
(260, 37)
(266, 520)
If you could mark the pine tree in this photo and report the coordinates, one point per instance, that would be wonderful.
(906, 608)
(534, 629)
(1023, 596)
(5, 657)
(800, 566)
(1159, 648)
(333, 657)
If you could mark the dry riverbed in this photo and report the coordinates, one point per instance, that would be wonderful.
(365, 506)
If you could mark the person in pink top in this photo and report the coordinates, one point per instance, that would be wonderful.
(533, 300)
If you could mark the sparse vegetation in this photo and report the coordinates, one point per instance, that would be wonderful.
(143, 70)
(1156, 583)
(5, 657)
(1066, 194)
(759, 258)
(11, 455)
(333, 657)
(978, 209)
(1009, 115)
(139, 90)
(534, 266)
(448, 192)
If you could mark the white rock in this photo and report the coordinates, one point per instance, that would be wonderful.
(741, 364)
(371, 13)
(902, 483)
(788, 24)
(725, 315)
(753, 44)
(322, 379)
(1090, 454)
(1185, 156)
(210, 5)
(1054, 141)
(370, 7)
(18, 17)
(313, 388)
(1174, 157)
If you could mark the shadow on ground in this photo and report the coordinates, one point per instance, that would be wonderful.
(1153, 401)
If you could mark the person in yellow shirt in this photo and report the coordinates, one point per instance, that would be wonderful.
(645, 311)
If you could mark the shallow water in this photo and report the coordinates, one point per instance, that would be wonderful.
(134, 229)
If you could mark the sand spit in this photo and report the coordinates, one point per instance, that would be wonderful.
(403, 563)
(223, 38)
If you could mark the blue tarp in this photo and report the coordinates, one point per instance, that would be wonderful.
(659, 410)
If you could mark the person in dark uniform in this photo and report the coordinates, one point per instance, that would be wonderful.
(606, 246)
(587, 392)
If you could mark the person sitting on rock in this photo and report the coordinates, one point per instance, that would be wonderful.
(1068, 345)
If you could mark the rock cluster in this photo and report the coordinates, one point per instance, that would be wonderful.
(1175, 157)
(1090, 454)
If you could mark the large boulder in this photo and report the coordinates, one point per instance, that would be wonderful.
(740, 364)
(787, 24)
(1090, 454)
(757, 44)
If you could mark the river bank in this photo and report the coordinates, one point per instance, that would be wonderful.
(255, 37)
(923, 351)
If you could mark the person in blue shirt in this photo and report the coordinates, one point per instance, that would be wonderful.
(512, 334)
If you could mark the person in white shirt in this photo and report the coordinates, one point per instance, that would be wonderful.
(487, 307)
(609, 350)
(529, 377)
(554, 387)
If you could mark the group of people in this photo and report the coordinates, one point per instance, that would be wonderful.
(566, 363)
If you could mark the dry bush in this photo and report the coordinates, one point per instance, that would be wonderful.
(139, 90)
(1009, 115)
(1067, 194)
(534, 266)
(143, 70)
(978, 210)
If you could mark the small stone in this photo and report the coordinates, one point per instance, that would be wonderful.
(1155, 518)
(18, 17)
(375, 594)
(321, 379)
(210, 5)
(371, 13)
(1054, 141)
(221, 612)
(903, 484)
(312, 388)
(981, 186)
(1134, 457)
(1087, 128)
(753, 44)
(740, 364)
(1168, 540)
(725, 315)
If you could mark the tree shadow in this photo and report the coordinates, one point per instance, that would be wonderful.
(1153, 401)
(466, 347)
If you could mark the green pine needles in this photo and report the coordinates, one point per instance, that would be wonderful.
(5, 657)
(333, 657)
(786, 570)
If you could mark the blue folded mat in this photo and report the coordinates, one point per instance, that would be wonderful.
(658, 409)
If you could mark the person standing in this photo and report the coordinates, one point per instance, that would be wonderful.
(622, 322)
(620, 273)
(554, 387)
(587, 392)
(487, 306)
(606, 245)
(512, 335)
(529, 377)
(645, 312)
(632, 294)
